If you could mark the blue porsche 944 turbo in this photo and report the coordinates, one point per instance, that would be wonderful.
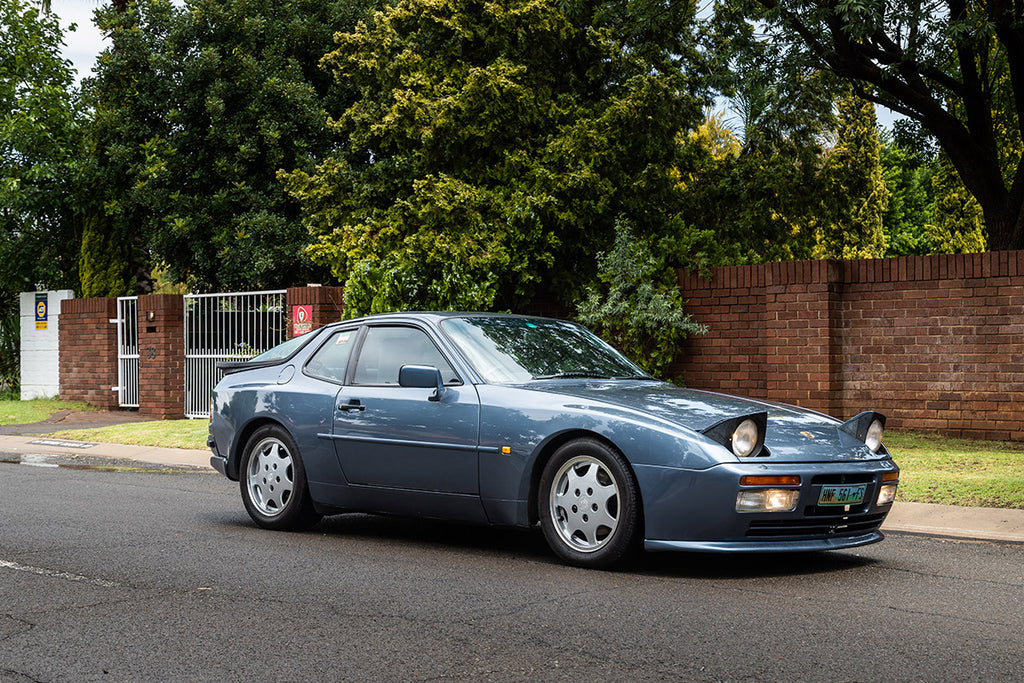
(522, 421)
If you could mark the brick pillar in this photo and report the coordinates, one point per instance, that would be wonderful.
(802, 321)
(87, 357)
(322, 305)
(162, 356)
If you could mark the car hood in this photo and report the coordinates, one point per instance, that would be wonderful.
(793, 435)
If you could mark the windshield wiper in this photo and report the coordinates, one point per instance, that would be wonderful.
(566, 375)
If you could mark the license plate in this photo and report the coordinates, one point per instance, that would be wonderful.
(842, 495)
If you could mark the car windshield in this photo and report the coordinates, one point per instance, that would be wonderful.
(505, 350)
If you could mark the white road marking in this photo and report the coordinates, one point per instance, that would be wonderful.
(6, 564)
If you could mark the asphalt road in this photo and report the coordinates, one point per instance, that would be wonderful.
(120, 575)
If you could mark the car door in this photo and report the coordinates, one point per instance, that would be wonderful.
(391, 436)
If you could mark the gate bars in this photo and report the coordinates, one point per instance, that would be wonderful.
(220, 327)
(127, 352)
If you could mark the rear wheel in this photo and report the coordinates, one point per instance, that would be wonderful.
(588, 504)
(273, 481)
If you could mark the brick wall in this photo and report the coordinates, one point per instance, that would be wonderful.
(935, 342)
(88, 352)
(326, 304)
(88, 347)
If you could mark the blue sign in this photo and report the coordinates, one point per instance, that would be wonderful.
(42, 311)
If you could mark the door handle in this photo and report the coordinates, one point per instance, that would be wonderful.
(354, 404)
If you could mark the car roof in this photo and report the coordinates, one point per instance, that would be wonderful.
(436, 316)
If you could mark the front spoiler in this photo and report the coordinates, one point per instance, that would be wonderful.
(797, 546)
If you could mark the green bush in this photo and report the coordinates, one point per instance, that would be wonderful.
(10, 357)
(637, 306)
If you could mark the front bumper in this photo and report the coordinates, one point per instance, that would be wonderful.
(217, 461)
(696, 509)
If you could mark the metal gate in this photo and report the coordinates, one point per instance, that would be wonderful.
(226, 327)
(127, 351)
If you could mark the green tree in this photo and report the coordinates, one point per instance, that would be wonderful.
(198, 109)
(855, 195)
(493, 146)
(128, 98)
(763, 202)
(40, 144)
(908, 165)
(957, 68)
(959, 227)
(105, 261)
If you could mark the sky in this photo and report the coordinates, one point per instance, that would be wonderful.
(85, 43)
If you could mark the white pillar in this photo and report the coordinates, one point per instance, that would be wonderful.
(40, 311)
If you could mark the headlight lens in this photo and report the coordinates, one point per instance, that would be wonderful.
(874, 435)
(744, 439)
(767, 500)
(886, 494)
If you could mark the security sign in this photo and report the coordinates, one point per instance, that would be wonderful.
(302, 320)
(41, 310)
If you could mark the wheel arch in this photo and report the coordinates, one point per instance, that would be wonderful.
(242, 437)
(548, 449)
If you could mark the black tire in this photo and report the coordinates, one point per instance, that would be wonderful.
(588, 505)
(273, 482)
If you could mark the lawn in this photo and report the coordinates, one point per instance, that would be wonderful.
(934, 469)
(161, 433)
(24, 412)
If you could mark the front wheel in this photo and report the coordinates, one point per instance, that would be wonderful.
(273, 482)
(588, 504)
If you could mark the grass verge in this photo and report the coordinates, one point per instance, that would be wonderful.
(159, 433)
(37, 410)
(937, 469)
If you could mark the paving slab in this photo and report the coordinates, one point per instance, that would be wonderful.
(988, 524)
(46, 445)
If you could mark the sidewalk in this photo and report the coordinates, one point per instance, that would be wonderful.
(46, 445)
(986, 524)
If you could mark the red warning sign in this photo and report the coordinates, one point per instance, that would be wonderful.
(302, 320)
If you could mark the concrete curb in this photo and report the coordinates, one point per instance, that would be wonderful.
(45, 445)
(983, 524)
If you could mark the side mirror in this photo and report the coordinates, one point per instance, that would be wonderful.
(422, 377)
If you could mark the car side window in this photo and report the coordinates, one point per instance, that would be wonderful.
(386, 349)
(331, 359)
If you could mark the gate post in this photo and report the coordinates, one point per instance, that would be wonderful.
(161, 356)
(315, 305)
(88, 359)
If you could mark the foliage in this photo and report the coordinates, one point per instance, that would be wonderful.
(956, 68)
(855, 194)
(763, 202)
(959, 227)
(40, 143)
(908, 166)
(10, 355)
(197, 111)
(638, 307)
(493, 145)
(104, 264)
(128, 96)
